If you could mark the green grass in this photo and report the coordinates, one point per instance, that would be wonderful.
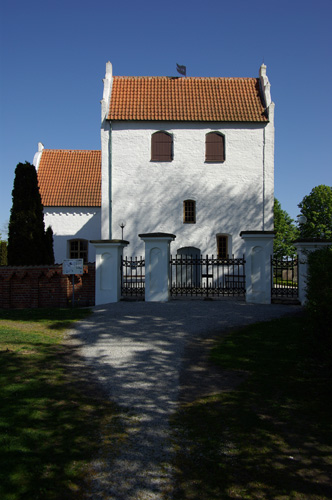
(271, 437)
(279, 281)
(50, 423)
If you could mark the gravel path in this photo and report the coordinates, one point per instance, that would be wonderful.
(149, 357)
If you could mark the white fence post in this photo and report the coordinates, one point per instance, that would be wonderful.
(157, 266)
(108, 270)
(258, 251)
(304, 247)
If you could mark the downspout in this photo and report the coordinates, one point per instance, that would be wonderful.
(106, 151)
(266, 97)
(263, 211)
(110, 182)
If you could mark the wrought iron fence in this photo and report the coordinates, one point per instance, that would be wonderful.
(208, 276)
(132, 277)
(284, 277)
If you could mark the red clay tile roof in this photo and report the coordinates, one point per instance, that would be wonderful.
(70, 178)
(186, 99)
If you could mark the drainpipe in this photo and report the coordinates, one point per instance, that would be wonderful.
(268, 143)
(110, 183)
(106, 149)
(263, 212)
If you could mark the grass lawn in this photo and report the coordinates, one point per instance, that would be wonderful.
(271, 437)
(50, 425)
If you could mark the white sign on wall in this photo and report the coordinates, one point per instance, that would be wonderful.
(72, 266)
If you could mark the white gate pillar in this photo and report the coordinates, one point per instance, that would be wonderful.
(303, 248)
(258, 251)
(157, 266)
(108, 270)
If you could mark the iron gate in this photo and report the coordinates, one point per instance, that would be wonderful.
(208, 276)
(284, 277)
(132, 277)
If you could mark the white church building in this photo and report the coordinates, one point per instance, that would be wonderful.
(189, 156)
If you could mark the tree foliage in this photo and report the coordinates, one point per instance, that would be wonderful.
(319, 292)
(317, 208)
(49, 252)
(3, 252)
(28, 243)
(286, 232)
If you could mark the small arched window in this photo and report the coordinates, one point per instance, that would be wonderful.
(78, 249)
(189, 212)
(161, 146)
(214, 147)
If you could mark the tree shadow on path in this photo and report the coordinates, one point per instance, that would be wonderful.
(149, 357)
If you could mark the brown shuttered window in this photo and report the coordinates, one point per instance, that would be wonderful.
(214, 147)
(222, 243)
(189, 212)
(161, 147)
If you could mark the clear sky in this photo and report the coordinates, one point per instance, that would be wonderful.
(53, 56)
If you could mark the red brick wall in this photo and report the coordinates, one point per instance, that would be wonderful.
(45, 286)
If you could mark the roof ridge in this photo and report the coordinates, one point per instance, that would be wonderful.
(73, 150)
(188, 77)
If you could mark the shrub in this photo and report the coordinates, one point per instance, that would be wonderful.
(319, 292)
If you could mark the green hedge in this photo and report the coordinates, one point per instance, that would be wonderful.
(319, 292)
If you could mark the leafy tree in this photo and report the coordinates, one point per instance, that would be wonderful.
(317, 208)
(27, 240)
(286, 232)
(3, 252)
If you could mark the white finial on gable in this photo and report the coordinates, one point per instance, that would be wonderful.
(37, 157)
(109, 69)
(107, 90)
(262, 70)
(265, 85)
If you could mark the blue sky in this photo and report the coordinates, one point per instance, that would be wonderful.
(53, 56)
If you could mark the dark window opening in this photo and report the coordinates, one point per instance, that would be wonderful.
(222, 244)
(214, 147)
(189, 212)
(78, 249)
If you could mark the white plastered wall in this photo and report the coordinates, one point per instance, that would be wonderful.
(230, 197)
(72, 223)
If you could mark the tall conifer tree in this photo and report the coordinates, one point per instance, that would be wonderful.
(49, 251)
(27, 240)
